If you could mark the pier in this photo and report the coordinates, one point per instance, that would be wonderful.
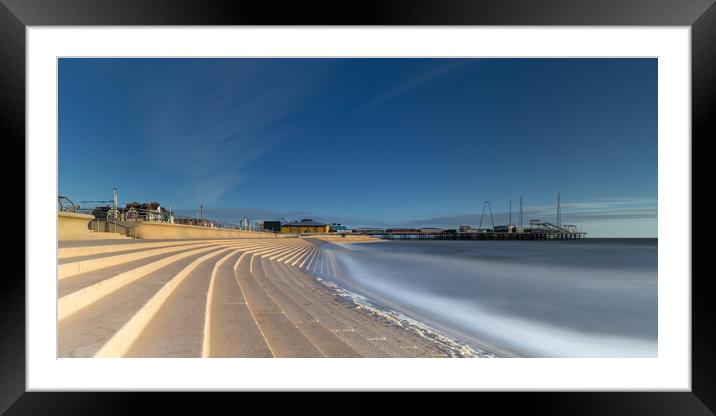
(484, 236)
(537, 230)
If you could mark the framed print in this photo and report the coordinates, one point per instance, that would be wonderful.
(474, 197)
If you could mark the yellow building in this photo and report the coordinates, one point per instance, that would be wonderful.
(305, 226)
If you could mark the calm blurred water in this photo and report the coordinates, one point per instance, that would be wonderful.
(588, 298)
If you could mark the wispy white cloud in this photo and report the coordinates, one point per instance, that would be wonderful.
(208, 144)
(412, 83)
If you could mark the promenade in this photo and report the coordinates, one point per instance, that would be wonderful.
(212, 298)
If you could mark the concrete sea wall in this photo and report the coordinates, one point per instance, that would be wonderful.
(73, 226)
(164, 231)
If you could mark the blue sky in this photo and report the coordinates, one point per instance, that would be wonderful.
(367, 142)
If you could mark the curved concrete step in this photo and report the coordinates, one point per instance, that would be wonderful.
(269, 250)
(124, 339)
(83, 333)
(293, 254)
(143, 277)
(297, 256)
(230, 329)
(394, 342)
(283, 337)
(73, 302)
(77, 282)
(82, 280)
(279, 253)
(179, 318)
(175, 327)
(324, 264)
(345, 321)
(323, 338)
(299, 262)
(327, 316)
(68, 249)
(311, 262)
(290, 253)
(220, 298)
(73, 266)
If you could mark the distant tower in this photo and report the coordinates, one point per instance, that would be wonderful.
(559, 212)
(488, 206)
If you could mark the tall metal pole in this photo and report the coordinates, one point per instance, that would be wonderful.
(114, 209)
(114, 205)
(509, 222)
(521, 224)
(201, 212)
(559, 212)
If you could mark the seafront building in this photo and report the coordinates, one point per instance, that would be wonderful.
(338, 228)
(274, 226)
(306, 225)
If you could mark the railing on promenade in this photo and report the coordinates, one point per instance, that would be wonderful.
(124, 220)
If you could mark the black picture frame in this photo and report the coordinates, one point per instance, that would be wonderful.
(15, 15)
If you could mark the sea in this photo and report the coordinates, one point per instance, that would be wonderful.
(576, 298)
